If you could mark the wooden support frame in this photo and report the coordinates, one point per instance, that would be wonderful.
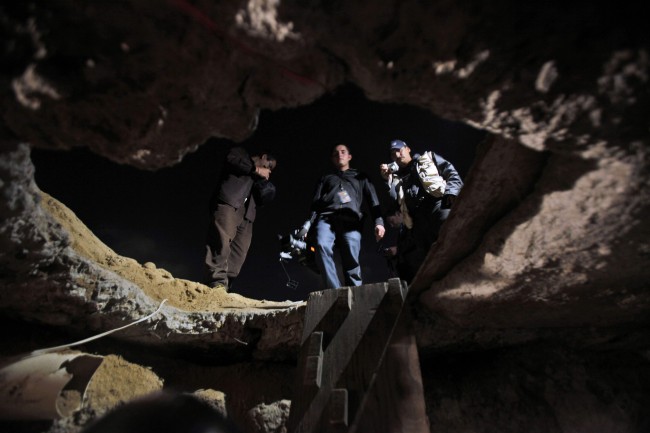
(358, 369)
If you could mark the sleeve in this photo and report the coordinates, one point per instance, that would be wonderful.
(391, 187)
(315, 201)
(450, 175)
(239, 161)
(373, 202)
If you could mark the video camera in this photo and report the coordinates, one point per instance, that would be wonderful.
(293, 246)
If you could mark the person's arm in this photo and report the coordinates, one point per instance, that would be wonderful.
(375, 209)
(389, 181)
(313, 210)
(450, 175)
(316, 197)
(239, 161)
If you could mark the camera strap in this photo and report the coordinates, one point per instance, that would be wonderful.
(291, 283)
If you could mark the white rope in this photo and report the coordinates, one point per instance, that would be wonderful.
(95, 337)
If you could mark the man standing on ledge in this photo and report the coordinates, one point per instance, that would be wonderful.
(424, 188)
(243, 187)
(336, 211)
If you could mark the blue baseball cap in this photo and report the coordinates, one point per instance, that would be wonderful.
(397, 144)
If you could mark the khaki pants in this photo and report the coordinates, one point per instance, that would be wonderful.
(229, 238)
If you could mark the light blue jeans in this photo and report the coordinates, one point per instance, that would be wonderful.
(346, 236)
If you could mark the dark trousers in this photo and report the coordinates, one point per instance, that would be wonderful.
(410, 255)
(416, 243)
(427, 220)
(229, 238)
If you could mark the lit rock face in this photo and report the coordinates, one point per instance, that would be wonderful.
(50, 280)
(549, 238)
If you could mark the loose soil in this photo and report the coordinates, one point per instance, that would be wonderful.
(157, 283)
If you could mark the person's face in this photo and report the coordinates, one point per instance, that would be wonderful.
(401, 156)
(264, 162)
(341, 157)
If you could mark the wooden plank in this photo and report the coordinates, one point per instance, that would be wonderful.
(314, 344)
(362, 369)
(398, 393)
(365, 301)
(336, 315)
(337, 421)
(313, 366)
(368, 375)
(319, 304)
(398, 288)
(324, 314)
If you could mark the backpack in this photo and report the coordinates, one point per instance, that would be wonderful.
(429, 176)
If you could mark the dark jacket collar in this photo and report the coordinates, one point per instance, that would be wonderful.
(347, 173)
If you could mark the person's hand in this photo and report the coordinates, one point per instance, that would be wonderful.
(302, 233)
(379, 232)
(263, 172)
(384, 171)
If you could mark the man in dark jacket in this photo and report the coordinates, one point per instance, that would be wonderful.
(336, 212)
(423, 191)
(244, 185)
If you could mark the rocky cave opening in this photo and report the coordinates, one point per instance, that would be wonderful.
(95, 187)
(161, 216)
(157, 218)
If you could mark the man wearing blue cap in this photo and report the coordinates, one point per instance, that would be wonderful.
(424, 187)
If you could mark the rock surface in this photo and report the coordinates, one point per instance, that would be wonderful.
(548, 243)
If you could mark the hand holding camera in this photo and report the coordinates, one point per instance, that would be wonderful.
(387, 169)
(263, 172)
(302, 233)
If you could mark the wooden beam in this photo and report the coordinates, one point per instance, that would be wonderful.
(358, 370)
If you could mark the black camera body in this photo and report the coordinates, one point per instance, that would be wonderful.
(294, 247)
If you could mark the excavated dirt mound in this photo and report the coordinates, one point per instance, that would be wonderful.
(106, 391)
(157, 283)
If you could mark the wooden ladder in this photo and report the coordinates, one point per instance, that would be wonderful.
(358, 368)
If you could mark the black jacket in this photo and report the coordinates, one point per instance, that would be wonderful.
(328, 200)
(415, 195)
(237, 183)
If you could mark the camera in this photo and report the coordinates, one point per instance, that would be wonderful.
(393, 167)
(292, 246)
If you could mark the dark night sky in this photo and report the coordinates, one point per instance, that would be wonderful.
(162, 216)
